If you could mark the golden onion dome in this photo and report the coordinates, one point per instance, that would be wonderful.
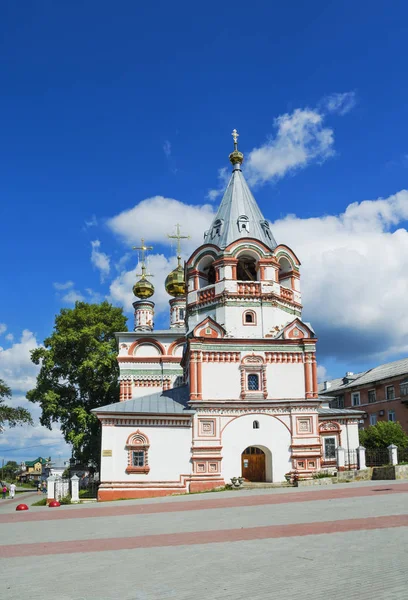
(175, 283)
(143, 288)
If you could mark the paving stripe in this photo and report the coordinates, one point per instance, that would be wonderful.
(77, 512)
(202, 537)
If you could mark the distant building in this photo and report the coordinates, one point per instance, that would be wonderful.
(31, 470)
(55, 469)
(382, 393)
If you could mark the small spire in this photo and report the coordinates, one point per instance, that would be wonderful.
(236, 157)
(143, 248)
(178, 237)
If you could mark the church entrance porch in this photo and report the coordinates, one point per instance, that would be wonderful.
(253, 464)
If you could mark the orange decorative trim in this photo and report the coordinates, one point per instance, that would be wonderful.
(308, 388)
(284, 357)
(199, 377)
(150, 341)
(173, 345)
(249, 288)
(149, 359)
(314, 376)
(221, 357)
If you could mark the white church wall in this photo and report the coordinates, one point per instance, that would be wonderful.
(272, 435)
(349, 435)
(286, 380)
(168, 454)
(221, 381)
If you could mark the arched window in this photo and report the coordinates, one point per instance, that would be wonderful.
(211, 275)
(243, 224)
(253, 382)
(285, 272)
(246, 269)
(137, 446)
(255, 425)
(249, 317)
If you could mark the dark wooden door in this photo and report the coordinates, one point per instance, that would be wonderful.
(253, 464)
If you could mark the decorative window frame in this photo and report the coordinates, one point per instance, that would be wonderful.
(329, 429)
(253, 365)
(137, 442)
(249, 312)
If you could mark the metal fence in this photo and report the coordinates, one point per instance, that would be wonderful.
(402, 455)
(351, 459)
(90, 490)
(377, 457)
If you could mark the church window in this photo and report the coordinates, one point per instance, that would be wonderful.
(246, 269)
(138, 458)
(249, 317)
(255, 425)
(329, 448)
(253, 382)
(181, 314)
(137, 447)
(243, 224)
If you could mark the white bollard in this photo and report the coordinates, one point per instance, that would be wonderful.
(75, 488)
(361, 457)
(51, 488)
(393, 452)
(341, 458)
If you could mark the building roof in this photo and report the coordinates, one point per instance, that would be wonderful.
(169, 402)
(387, 371)
(31, 463)
(338, 412)
(238, 207)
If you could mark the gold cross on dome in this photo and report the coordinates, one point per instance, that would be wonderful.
(235, 136)
(143, 249)
(178, 237)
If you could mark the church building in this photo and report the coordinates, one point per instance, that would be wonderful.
(230, 389)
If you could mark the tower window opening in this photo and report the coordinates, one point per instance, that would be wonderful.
(249, 318)
(246, 269)
(255, 425)
(253, 382)
(243, 223)
(181, 313)
(211, 275)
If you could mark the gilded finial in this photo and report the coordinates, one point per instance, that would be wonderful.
(143, 288)
(175, 282)
(236, 157)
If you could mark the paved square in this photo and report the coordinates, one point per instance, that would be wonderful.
(343, 541)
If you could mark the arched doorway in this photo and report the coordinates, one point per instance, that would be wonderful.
(253, 464)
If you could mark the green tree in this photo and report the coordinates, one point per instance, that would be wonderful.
(11, 415)
(10, 470)
(79, 372)
(383, 434)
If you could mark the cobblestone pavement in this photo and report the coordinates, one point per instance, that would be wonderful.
(348, 541)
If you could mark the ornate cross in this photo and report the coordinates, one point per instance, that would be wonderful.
(235, 136)
(143, 248)
(178, 237)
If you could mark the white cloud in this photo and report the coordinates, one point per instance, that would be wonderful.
(340, 103)
(167, 148)
(354, 281)
(224, 175)
(155, 218)
(100, 260)
(73, 296)
(16, 368)
(63, 286)
(3, 328)
(322, 373)
(93, 222)
(301, 138)
(10, 337)
(28, 442)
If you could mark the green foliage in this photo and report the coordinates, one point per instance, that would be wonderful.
(79, 372)
(42, 502)
(65, 499)
(9, 415)
(382, 435)
(10, 470)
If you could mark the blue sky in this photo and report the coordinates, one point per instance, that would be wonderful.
(105, 106)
